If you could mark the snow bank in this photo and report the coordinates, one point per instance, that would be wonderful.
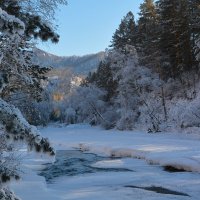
(165, 149)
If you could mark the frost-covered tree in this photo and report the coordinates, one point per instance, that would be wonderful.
(85, 105)
(9, 165)
(36, 113)
(18, 51)
(37, 16)
(127, 97)
(17, 73)
(135, 82)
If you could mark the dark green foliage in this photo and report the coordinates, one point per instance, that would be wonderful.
(36, 28)
(12, 7)
(147, 37)
(4, 178)
(194, 14)
(125, 34)
(37, 148)
(175, 37)
(165, 36)
(103, 78)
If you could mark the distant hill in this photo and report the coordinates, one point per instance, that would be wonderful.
(80, 65)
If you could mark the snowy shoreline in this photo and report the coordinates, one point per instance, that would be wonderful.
(160, 149)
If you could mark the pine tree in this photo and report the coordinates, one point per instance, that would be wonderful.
(194, 13)
(183, 26)
(147, 37)
(103, 79)
(125, 34)
(17, 72)
(34, 25)
(17, 57)
(175, 37)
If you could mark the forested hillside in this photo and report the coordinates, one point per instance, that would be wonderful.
(148, 79)
(150, 76)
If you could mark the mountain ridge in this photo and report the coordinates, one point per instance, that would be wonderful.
(80, 65)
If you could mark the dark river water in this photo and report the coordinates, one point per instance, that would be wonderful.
(73, 163)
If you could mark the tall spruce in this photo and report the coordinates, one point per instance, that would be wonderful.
(126, 33)
(194, 10)
(175, 43)
(148, 31)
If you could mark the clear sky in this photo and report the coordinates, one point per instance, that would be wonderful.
(87, 26)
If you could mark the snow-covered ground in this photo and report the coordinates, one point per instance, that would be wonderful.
(152, 150)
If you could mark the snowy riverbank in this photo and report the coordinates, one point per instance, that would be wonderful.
(179, 151)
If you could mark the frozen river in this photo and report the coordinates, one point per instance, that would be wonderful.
(95, 164)
(78, 175)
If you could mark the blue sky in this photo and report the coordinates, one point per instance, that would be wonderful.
(87, 26)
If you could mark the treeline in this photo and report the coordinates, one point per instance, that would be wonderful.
(150, 76)
(166, 36)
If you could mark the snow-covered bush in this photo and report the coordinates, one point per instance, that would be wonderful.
(9, 165)
(185, 113)
(152, 117)
(36, 113)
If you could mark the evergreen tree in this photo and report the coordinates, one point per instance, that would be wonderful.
(148, 31)
(194, 12)
(17, 72)
(126, 32)
(183, 26)
(35, 26)
(103, 79)
(17, 57)
(175, 37)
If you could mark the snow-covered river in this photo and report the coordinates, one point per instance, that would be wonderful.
(107, 167)
(81, 174)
